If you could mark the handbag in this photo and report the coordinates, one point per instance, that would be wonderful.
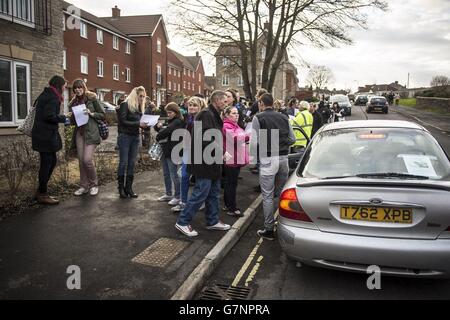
(156, 151)
(103, 129)
(26, 127)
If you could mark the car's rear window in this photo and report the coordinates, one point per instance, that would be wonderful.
(348, 152)
(378, 100)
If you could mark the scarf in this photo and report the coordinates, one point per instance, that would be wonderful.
(58, 94)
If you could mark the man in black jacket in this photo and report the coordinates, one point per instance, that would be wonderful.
(205, 163)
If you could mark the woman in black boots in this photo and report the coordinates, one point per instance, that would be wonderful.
(129, 116)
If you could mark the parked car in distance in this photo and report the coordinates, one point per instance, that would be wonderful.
(361, 100)
(365, 193)
(344, 103)
(377, 103)
(108, 106)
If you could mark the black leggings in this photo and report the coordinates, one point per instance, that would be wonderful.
(48, 163)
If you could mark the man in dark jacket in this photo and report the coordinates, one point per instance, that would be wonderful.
(317, 119)
(206, 161)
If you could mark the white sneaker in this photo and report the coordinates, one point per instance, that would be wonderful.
(179, 207)
(187, 230)
(80, 192)
(219, 226)
(165, 198)
(93, 191)
(174, 202)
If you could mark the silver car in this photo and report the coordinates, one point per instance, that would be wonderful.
(370, 193)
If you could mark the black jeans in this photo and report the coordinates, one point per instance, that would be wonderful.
(231, 182)
(48, 163)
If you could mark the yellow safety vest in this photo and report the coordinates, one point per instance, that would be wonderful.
(305, 120)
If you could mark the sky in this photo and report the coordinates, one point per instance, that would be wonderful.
(413, 37)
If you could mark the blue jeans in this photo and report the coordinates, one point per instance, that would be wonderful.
(205, 191)
(171, 176)
(128, 151)
(184, 183)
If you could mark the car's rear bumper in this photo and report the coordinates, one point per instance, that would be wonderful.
(400, 257)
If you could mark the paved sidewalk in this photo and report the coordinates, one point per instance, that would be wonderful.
(102, 235)
(439, 121)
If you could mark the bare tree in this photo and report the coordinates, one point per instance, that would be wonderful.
(270, 25)
(319, 76)
(439, 81)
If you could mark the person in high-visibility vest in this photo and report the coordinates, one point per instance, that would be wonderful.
(303, 119)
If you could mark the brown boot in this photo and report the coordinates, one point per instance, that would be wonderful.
(44, 198)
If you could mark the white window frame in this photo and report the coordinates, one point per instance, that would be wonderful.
(184, 84)
(15, 112)
(100, 62)
(84, 71)
(189, 73)
(127, 75)
(83, 30)
(128, 47)
(116, 42)
(13, 13)
(158, 74)
(158, 45)
(189, 86)
(225, 62)
(193, 87)
(240, 81)
(170, 70)
(200, 77)
(170, 85)
(179, 87)
(116, 69)
(64, 59)
(99, 36)
(225, 80)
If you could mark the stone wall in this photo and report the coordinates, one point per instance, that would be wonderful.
(43, 52)
(441, 104)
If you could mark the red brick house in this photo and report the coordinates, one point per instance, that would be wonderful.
(174, 78)
(193, 74)
(100, 54)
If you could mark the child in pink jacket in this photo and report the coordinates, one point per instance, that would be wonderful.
(236, 156)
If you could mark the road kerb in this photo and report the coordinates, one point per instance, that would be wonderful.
(197, 278)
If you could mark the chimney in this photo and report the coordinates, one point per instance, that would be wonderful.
(115, 12)
(196, 54)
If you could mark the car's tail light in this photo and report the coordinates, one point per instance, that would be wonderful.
(290, 207)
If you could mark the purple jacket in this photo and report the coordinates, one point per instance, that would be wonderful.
(234, 142)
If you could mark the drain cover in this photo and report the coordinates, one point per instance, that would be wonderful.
(224, 292)
(161, 252)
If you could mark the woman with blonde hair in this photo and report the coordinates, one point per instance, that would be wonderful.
(129, 124)
(170, 168)
(195, 105)
(86, 138)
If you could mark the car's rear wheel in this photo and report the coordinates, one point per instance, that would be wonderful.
(386, 111)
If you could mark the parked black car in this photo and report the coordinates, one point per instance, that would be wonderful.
(361, 100)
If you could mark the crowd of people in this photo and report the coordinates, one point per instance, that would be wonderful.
(244, 131)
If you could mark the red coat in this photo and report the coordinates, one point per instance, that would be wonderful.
(234, 142)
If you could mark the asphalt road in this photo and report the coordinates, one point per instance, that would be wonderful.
(261, 266)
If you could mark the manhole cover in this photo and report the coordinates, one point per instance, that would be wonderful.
(224, 292)
(161, 252)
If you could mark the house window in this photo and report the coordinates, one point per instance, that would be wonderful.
(128, 48)
(170, 85)
(184, 84)
(179, 89)
(64, 59)
(116, 42)
(15, 93)
(193, 87)
(84, 64)
(16, 11)
(158, 45)
(99, 36)
(64, 22)
(128, 75)
(200, 77)
(158, 74)
(179, 74)
(263, 53)
(226, 62)
(225, 80)
(83, 30)
(170, 70)
(189, 73)
(116, 72)
(189, 86)
(100, 68)
(240, 81)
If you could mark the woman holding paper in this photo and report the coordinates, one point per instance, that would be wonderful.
(164, 137)
(86, 137)
(236, 156)
(129, 125)
(45, 136)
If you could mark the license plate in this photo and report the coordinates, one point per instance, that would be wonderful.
(377, 214)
